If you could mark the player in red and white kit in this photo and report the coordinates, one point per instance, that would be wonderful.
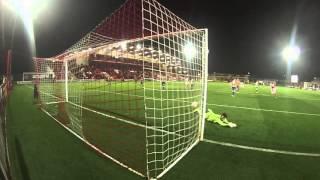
(273, 88)
(233, 87)
(238, 83)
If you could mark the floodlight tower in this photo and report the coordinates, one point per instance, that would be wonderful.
(290, 54)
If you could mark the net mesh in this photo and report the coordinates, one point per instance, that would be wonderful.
(5, 89)
(133, 87)
(4, 168)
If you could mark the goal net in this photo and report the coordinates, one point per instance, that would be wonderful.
(134, 88)
(5, 88)
(30, 77)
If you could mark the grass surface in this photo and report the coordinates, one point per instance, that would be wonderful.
(167, 109)
(268, 129)
(41, 149)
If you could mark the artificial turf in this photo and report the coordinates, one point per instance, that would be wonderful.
(41, 149)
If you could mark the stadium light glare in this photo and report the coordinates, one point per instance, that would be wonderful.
(28, 11)
(189, 50)
(26, 8)
(123, 46)
(138, 47)
(291, 53)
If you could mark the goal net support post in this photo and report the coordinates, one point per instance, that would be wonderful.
(205, 83)
(66, 72)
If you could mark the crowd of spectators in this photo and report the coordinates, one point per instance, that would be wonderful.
(110, 70)
(122, 70)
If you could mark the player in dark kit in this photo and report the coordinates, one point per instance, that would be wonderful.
(163, 84)
(35, 93)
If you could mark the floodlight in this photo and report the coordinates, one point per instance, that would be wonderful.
(26, 8)
(123, 45)
(138, 47)
(189, 50)
(291, 53)
(294, 78)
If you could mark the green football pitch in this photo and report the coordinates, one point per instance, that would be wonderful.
(276, 138)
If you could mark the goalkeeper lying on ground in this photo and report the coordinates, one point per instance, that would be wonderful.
(219, 119)
(215, 118)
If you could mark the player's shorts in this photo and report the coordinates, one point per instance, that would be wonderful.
(273, 91)
(233, 88)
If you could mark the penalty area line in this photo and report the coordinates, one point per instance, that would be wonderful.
(261, 149)
(266, 110)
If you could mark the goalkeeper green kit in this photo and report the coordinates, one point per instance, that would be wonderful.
(216, 118)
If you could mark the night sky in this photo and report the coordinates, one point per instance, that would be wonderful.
(244, 36)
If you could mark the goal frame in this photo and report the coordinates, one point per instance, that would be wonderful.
(186, 33)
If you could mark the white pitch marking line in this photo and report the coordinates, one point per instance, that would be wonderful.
(93, 146)
(238, 107)
(236, 145)
(266, 110)
(259, 94)
(58, 102)
(262, 149)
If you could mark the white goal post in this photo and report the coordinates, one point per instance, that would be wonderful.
(30, 77)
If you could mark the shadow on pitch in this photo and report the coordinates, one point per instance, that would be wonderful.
(21, 160)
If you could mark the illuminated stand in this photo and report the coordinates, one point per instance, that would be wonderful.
(127, 87)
